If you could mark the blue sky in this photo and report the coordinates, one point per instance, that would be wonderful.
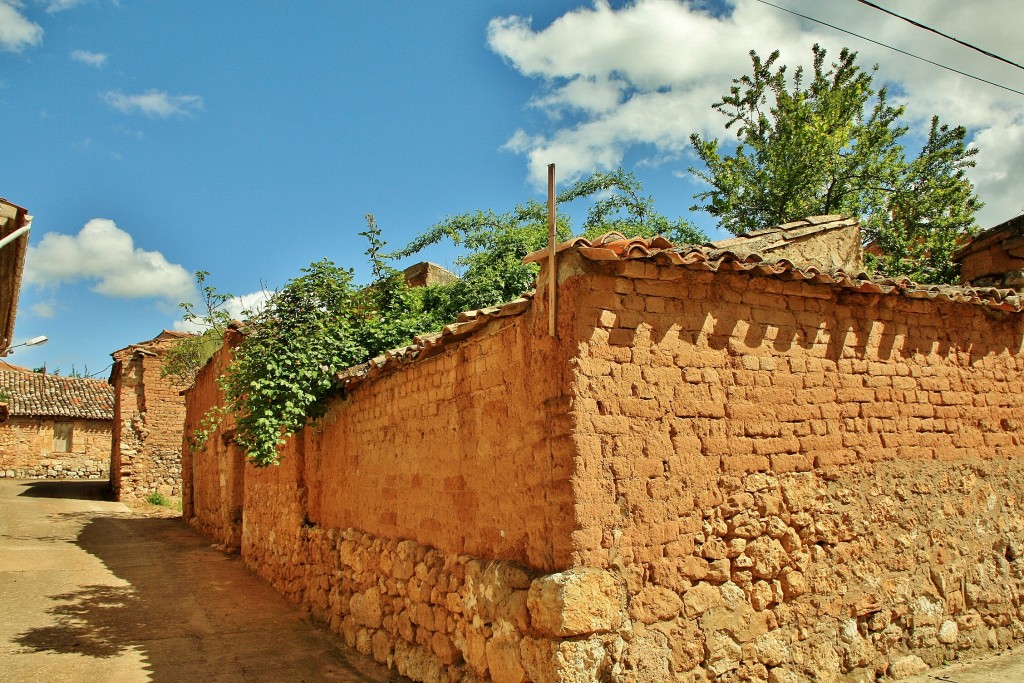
(151, 139)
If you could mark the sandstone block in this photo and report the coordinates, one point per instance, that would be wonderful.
(905, 667)
(503, 659)
(653, 604)
(366, 608)
(570, 661)
(575, 602)
(701, 598)
(948, 632)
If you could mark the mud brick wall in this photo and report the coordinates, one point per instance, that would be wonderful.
(26, 450)
(149, 412)
(793, 481)
(468, 452)
(213, 479)
(709, 476)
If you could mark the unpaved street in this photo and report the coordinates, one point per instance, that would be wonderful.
(91, 592)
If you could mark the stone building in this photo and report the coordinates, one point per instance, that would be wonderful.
(145, 455)
(995, 258)
(56, 427)
(728, 464)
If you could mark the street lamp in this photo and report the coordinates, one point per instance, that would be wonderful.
(34, 341)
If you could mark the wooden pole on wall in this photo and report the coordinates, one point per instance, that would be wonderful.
(552, 238)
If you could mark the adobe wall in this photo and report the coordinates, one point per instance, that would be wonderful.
(793, 481)
(26, 450)
(213, 491)
(149, 411)
(414, 517)
(709, 477)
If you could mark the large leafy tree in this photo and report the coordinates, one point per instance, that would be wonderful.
(835, 145)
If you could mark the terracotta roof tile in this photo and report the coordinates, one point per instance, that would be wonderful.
(714, 257)
(37, 395)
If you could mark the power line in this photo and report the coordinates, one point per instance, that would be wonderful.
(940, 33)
(909, 54)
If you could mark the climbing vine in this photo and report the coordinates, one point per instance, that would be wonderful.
(318, 324)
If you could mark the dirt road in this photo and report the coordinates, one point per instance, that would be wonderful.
(90, 591)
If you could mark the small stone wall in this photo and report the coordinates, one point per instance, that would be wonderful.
(26, 450)
(707, 476)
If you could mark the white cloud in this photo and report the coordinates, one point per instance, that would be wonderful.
(55, 6)
(154, 103)
(96, 59)
(16, 31)
(44, 309)
(642, 77)
(103, 253)
(237, 307)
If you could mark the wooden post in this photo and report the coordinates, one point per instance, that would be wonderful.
(552, 239)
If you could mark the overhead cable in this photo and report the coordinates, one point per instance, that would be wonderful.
(940, 33)
(909, 54)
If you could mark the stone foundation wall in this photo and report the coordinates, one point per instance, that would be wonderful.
(26, 450)
(795, 482)
(708, 476)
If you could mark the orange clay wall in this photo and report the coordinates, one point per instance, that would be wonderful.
(468, 451)
(794, 481)
(708, 477)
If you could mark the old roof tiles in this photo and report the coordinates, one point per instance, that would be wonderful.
(33, 394)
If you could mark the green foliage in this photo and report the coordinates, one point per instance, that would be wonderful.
(318, 324)
(834, 146)
(190, 354)
(492, 269)
(157, 498)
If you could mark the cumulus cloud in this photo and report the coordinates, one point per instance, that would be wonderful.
(640, 78)
(96, 59)
(154, 103)
(16, 31)
(105, 254)
(237, 307)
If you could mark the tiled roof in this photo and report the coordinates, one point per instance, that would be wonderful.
(712, 257)
(142, 346)
(33, 394)
(1009, 234)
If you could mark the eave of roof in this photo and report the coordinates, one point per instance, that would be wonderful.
(33, 394)
(12, 266)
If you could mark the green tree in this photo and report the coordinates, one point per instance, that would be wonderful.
(834, 145)
(318, 324)
(492, 269)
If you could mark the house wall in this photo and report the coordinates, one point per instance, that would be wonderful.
(26, 450)
(423, 489)
(710, 476)
(149, 411)
(794, 480)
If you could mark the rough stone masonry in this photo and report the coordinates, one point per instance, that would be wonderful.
(723, 468)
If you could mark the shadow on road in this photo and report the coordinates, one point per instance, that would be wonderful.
(189, 612)
(92, 489)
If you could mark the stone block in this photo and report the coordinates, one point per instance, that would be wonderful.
(576, 602)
